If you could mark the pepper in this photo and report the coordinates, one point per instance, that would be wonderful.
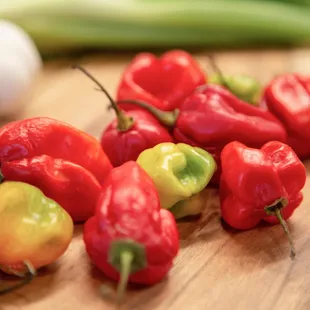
(288, 97)
(211, 117)
(70, 185)
(130, 133)
(130, 238)
(179, 171)
(260, 185)
(42, 135)
(35, 231)
(242, 86)
(162, 82)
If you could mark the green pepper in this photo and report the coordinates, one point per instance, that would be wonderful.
(244, 87)
(179, 171)
(35, 230)
(191, 206)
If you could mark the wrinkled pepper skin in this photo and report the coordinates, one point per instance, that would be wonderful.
(162, 82)
(42, 135)
(128, 211)
(212, 117)
(253, 179)
(70, 185)
(123, 146)
(33, 228)
(288, 97)
(179, 171)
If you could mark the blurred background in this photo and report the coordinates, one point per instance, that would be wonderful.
(243, 34)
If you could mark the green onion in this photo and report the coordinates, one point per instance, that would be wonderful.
(57, 25)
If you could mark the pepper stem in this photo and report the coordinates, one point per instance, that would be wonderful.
(167, 118)
(279, 216)
(219, 72)
(31, 273)
(124, 122)
(275, 210)
(126, 258)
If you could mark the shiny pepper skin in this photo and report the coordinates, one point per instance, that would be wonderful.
(179, 172)
(162, 82)
(255, 178)
(287, 96)
(211, 117)
(145, 132)
(70, 185)
(129, 133)
(33, 228)
(46, 136)
(129, 220)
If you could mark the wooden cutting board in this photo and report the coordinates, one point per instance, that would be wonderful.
(216, 268)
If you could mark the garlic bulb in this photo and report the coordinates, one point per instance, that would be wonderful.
(20, 62)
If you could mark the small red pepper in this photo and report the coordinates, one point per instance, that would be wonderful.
(42, 135)
(131, 238)
(260, 185)
(211, 117)
(73, 187)
(288, 97)
(130, 133)
(162, 82)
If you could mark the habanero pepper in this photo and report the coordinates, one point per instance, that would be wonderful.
(162, 82)
(211, 117)
(70, 185)
(35, 231)
(46, 136)
(130, 238)
(130, 133)
(179, 172)
(288, 97)
(242, 86)
(260, 185)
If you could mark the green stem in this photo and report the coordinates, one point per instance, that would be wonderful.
(31, 273)
(124, 122)
(126, 259)
(275, 210)
(279, 216)
(167, 118)
(219, 72)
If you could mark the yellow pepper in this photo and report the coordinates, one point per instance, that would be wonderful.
(179, 172)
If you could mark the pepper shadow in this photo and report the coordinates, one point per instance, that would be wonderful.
(37, 289)
(205, 227)
(137, 296)
(265, 244)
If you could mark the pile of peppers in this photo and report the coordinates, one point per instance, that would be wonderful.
(176, 132)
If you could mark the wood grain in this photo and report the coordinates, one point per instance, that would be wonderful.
(217, 268)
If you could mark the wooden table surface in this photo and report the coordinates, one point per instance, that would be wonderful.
(216, 268)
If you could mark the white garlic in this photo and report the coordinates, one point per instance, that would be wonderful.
(20, 63)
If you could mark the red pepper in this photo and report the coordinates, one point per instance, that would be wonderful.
(260, 185)
(163, 82)
(130, 133)
(288, 97)
(42, 135)
(131, 238)
(211, 117)
(73, 187)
